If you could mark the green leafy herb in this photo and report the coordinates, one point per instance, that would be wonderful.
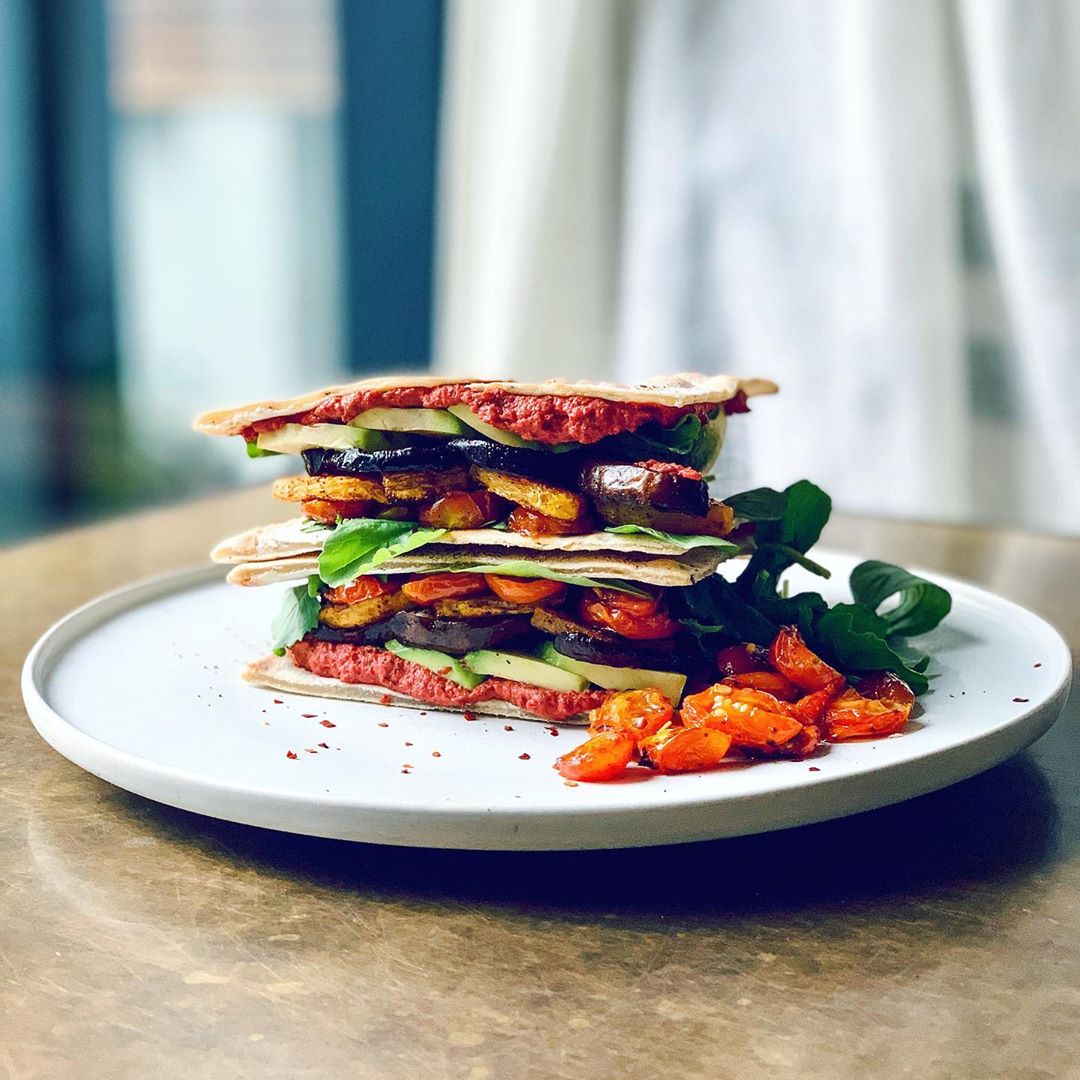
(684, 542)
(521, 568)
(691, 442)
(254, 450)
(358, 545)
(761, 504)
(856, 637)
(298, 614)
(922, 603)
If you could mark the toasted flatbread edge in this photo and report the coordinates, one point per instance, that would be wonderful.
(667, 572)
(677, 390)
(286, 538)
(280, 673)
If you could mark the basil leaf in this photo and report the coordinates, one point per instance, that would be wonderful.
(298, 614)
(714, 606)
(685, 542)
(690, 441)
(760, 504)
(254, 450)
(782, 543)
(358, 545)
(855, 639)
(922, 603)
(523, 569)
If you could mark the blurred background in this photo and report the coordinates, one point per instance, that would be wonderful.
(874, 202)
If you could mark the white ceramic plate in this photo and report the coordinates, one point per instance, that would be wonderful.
(140, 687)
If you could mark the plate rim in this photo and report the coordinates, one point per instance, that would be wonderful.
(88, 752)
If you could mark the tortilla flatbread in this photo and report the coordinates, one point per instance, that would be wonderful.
(670, 571)
(280, 673)
(673, 390)
(297, 537)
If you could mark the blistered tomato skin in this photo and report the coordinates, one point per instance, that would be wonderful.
(462, 510)
(525, 590)
(363, 588)
(683, 750)
(880, 706)
(769, 681)
(637, 713)
(528, 522)
(639, 618)
(794, 659)
(447, 586)
(741, 659)
(752, 718)
(603, 757)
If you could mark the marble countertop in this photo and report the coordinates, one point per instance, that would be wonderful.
(937, 938)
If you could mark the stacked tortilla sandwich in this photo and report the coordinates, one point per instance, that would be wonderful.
(510, 549)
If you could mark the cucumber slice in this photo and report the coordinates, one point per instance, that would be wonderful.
(523, 669)
(422, 421)
(507, 438)
(669, 683)
(294, 438)
(446, 666)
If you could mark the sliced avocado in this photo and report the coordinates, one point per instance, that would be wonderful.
(446, 666)
(293, 438)
(524, 669)
(669, 683)
(507, 438)
(422, 421)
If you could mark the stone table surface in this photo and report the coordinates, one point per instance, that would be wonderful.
(936, 938)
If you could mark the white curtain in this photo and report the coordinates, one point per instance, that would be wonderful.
(875, 202)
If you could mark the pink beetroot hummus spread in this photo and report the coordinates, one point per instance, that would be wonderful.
(538, 417)
(377, 667)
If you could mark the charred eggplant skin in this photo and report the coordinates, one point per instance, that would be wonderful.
(616, 489)
(423, 457)
(424, 630)
(549, 468)
(457, 637)
(619, 653)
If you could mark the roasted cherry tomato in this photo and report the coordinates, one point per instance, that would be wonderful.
(810, 708)
(462, 510)
(603, 757)
(752, 718)
(639, 618)
(740, 659)
(768, 681)
(791, 656)
(680, 750)
(524, 590)
(328, 512)
(447, 586)
(633, 712)
(887, 687)
(363, 588)
(532, 523)
(880, 706)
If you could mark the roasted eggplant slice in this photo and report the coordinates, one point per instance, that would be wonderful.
(377, 634)
(618, 653)
(617, 490)
(457, 636)
(423, 457)
(540, 465)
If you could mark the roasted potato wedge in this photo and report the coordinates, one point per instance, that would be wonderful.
(415, 486)
(331, 488)
(364, 612)
(477, 607)
(546, 499)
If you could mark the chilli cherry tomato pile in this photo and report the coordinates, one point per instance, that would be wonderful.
(779, 702)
